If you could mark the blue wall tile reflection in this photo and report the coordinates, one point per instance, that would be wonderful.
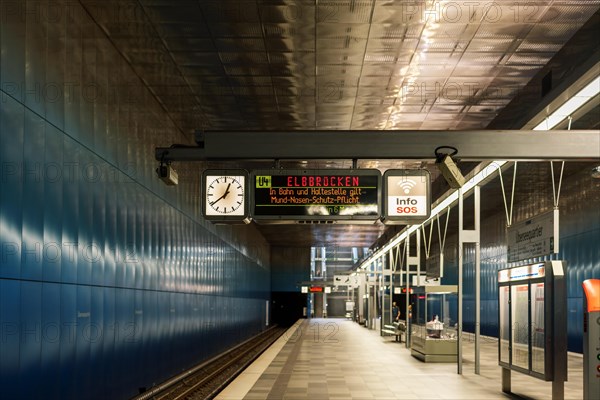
(103, 269)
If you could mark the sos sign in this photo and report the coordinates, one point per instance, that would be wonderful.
(407, 196)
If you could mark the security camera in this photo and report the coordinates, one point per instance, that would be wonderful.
(595, 173)
(448, 167)
(167, 174)
(450, 171)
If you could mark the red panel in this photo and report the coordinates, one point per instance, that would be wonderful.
(591, 287)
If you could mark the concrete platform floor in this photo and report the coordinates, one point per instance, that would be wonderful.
(321, 359)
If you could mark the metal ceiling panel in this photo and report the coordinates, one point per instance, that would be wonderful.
(227, 11)
(539, 45)
(333, 30)
(180, 29)
(396, 31)
(242, 30)
(487, 45)
(552, 32)
(226, 44)
(326, 56)
(339, 64)
(243, 58)
(299, 32)
(289, 12)
(185, 12)
(377, 69)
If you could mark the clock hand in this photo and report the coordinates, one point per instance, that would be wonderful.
(224, 195)
(216, 200)
(226, 191)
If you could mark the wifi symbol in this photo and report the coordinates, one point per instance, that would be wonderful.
(407, 185)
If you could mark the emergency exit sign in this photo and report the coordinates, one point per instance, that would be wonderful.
(407, 196)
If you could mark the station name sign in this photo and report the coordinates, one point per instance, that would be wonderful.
(316, 195)
(535, 237)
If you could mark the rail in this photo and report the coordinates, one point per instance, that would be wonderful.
(214, 374)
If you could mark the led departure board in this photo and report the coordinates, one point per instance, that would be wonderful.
(316, 195)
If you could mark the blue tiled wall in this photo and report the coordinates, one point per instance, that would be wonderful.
(109, 280)
(289, 268)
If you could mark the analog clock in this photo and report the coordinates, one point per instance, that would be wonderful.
(225, 195)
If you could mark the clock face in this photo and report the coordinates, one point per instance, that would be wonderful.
(225, 195)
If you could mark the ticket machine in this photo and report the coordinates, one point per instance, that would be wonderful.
(591, 339)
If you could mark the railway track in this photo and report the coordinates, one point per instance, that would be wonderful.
(206, 380)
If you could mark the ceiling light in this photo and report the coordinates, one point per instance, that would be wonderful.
(591, 90)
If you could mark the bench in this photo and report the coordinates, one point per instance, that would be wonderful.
(397, 329)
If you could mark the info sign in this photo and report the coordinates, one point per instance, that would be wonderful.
(351, 196)
(407, 196)
(534, 237)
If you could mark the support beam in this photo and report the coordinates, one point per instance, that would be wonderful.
(477, 195)
(408, 306)
(411, 261)
(459, 330)
(419, 145)
(470, 236)
(506, 380)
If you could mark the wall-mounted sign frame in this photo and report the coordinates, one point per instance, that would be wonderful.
(225, 195)
(406, 197)
(321, 196)
(535, 237)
